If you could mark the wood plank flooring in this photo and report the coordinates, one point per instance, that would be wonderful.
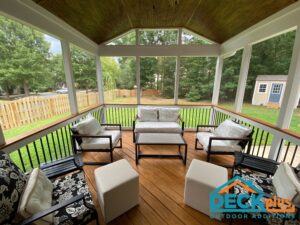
(161, 185)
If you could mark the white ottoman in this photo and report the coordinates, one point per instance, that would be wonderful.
(117, 188)
(202, 178)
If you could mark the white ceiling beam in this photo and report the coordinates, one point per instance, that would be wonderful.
(31, 14)
(160, 50)
(285, 20)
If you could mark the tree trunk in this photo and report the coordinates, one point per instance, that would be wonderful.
(26, 88)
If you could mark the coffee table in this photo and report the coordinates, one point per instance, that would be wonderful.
(160, 139)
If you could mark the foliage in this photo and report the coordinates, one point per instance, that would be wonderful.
(24, 58)
(84, 69)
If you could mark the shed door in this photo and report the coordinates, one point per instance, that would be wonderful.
(275, 93)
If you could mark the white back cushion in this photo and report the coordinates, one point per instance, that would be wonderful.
(36, 197)
(89, 126)
(284, 186)
(168, 114)
(229, 128)
(147, 114)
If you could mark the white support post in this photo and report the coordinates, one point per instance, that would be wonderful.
(138, 80)
(2, 139)
(180, 36)
(243, 78)
(99, 80)
(217, 83)
(69, 76)
(291, 96)
(177, 75)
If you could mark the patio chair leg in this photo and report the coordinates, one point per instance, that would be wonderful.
(111, 156)
(121, 142)
(196, 144)
(208, 157)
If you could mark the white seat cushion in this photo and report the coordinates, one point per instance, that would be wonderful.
(217, 145)
(101, 143)
(157, 127)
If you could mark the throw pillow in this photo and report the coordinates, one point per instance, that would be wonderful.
(168, 114)
(282, 182)
(148, 114)
(37, 196)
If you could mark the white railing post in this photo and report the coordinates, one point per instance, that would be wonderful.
(177, 75)
(2, 138)
(69, 76)
(217, 82)
(99, 80)
(291, 96)
(243, 78)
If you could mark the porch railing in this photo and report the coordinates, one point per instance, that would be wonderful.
(53, 142)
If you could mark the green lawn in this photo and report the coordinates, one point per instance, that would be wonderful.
(14, 132)
(267, 114)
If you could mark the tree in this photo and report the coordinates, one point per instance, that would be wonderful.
(84, 69)
(24, 57)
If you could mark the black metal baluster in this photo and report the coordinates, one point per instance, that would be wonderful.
(261, 136)
(58, 140)
(286, 151)
(28, 153)
(295, 150)
(36, 153)
(43, 150)
(279, 150)
(54, 145)
(21, 159)
(63, 141)
(266, 141)
(67, 138)
(254, 143)
(47, 140)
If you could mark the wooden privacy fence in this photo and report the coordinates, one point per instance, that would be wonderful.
(35, 108)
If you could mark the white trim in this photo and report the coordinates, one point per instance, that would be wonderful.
(285, 20)
(117, 37)
(176, 83)
(160, 50)
(292, 87)
(243, 78)
(138, 79)
(199, 36)
(217, 82)
(31, 14)
(99, 80)
(65, 46)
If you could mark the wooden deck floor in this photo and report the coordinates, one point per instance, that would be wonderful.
(161, 185)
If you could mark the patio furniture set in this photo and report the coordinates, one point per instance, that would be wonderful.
(52, 195)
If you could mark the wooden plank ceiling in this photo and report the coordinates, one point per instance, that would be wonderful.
(217, 20)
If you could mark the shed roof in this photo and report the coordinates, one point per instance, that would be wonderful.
(271, 78)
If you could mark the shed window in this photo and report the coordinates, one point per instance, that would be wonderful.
(262, 88)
